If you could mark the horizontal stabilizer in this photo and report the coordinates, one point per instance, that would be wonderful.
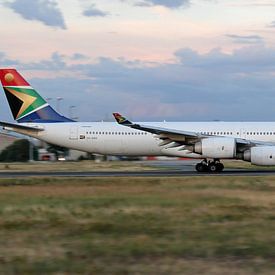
(15, 127)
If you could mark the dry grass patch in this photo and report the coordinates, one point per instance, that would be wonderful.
(175, 225)
(80, 166)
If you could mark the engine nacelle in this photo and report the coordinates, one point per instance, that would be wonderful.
(262, 155)
(220, 148)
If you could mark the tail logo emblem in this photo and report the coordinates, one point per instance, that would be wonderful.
(9, 77)
(24, 102)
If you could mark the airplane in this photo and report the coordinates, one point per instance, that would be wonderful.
(211, 142)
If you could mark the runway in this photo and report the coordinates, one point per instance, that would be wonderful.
(153, 173)
(168, 168)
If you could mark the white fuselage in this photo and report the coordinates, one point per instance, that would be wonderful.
(110, 138)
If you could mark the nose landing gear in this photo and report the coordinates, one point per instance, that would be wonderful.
(214, 166)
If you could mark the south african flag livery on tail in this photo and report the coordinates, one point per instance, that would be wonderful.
(25, 103)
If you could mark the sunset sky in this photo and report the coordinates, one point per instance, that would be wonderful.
(148, 59)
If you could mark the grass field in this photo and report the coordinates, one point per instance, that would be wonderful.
(80, 166)
(201, 225)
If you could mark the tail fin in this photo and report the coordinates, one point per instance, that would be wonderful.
(25, 103)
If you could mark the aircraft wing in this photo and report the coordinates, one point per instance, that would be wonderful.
(176, 138)
(165, 134)
(14, 127)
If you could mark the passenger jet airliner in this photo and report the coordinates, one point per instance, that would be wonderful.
(210, 141)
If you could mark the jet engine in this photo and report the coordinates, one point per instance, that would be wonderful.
(262, 155)
(216, 147)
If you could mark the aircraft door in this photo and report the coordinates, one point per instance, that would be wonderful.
(74, 133)
(83, 133)
(243, 133)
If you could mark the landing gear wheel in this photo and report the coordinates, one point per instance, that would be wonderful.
(201, 167)
(213, 167)
(220, 167)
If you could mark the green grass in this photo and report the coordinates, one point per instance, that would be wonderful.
(209, 225)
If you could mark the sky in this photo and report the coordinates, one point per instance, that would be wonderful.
(151, 60)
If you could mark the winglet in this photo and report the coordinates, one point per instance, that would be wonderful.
(121, 120)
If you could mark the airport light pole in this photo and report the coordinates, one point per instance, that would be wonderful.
(30, 150)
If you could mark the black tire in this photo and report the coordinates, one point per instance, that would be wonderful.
(213, 167)
(201, 167)
(220, 167)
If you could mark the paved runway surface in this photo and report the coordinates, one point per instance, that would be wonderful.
(159, 169)
(157, 173)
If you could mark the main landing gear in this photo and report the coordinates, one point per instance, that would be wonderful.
(214, 166)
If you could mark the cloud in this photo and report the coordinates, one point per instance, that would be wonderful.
(56, 62)
(272, 24)
(45, 11)
(245, 39)
(251, 59)
(92, 11)
(79, 56)
(166, 3)
(214, 85)
(6, 62)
